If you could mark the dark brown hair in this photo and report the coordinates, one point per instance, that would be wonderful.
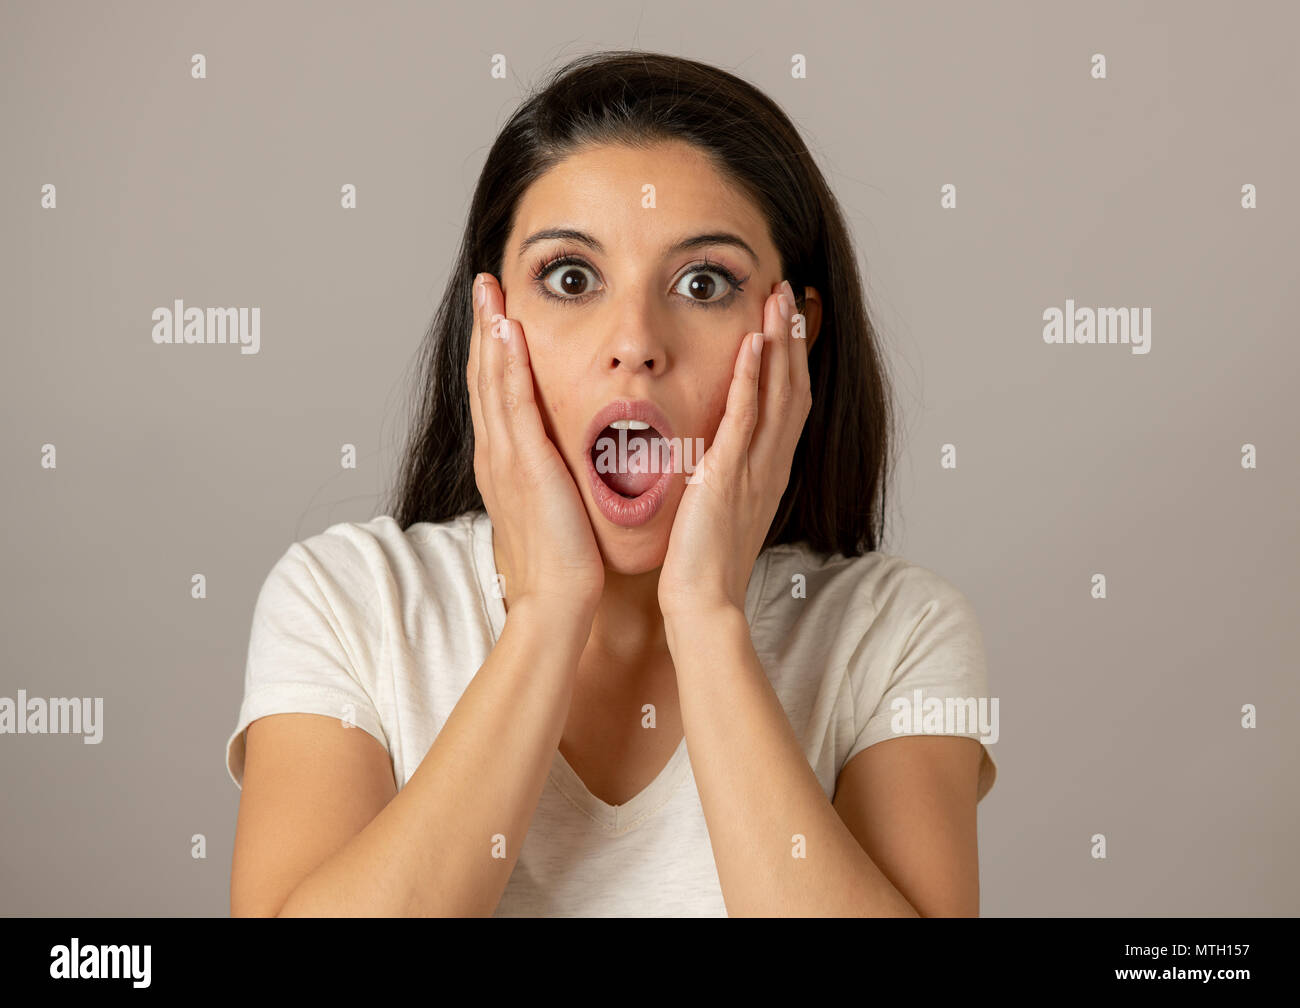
(835, 500)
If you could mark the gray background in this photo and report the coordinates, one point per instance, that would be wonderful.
(1119, 716)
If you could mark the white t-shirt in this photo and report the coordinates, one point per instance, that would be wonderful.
(385, 629)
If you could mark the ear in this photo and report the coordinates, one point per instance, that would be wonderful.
(812, 313)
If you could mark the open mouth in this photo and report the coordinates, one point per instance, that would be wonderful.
(629, 457)
(629, 461)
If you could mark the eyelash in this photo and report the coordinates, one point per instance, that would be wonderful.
(539, 272)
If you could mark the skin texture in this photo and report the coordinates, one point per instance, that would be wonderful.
(595, 348)
(602, 620)
(668, 627)
(634, 332)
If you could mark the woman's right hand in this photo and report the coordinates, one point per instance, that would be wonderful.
(540, 527)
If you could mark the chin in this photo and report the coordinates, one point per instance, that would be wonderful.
(636, 550)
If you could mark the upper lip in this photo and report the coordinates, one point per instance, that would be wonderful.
(628, 409)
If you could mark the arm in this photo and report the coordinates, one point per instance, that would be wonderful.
(904, 807)
(910, 802)
(758, 790)
(323, 832)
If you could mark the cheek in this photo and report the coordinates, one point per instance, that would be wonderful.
(555, 384)
(710, 393)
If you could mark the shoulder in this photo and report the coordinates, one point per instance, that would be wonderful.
(878, 594)
(911, 597)
(369, 558)
(382, 539)
(871, 631)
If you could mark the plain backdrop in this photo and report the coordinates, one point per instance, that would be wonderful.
(1119, 716)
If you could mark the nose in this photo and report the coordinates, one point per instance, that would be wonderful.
(633, 359)
(636, 347)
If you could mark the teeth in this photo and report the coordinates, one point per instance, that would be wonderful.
(630, 425)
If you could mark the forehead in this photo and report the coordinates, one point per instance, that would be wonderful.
(605, 191)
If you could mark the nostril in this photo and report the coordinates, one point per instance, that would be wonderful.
(617, 362)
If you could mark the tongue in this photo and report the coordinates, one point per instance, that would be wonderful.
(630, 484)
(642, 447)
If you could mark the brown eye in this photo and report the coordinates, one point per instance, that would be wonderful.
(701, 287)
(572, 280)
(706, 287)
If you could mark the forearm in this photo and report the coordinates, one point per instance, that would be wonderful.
(431, 851)
(757, 789)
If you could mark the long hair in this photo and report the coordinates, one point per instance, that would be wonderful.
(835, 499)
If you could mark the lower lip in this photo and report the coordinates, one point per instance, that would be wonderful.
(627, 512)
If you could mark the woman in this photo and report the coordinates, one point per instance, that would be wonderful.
(568, 597)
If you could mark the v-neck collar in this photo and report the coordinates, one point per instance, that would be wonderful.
(615, 818)
(621, 818)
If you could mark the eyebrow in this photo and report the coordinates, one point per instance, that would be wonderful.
(685, 245)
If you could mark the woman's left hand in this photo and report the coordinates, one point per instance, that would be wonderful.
(731, 499)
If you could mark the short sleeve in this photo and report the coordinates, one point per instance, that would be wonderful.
(306, 644)
(922, 670)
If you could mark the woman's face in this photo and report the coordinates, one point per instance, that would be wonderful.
(641, 309)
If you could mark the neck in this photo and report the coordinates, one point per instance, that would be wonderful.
(628, 629)
(627, 645)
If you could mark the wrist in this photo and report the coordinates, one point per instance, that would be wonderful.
(704, 619)
(552, 616)
(542, 641)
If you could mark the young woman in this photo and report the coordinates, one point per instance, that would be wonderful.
(586, 685)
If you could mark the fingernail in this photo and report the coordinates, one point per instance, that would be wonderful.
(480, 290)
(786, 300)
(756, 344)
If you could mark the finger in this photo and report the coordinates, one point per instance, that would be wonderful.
(519, 401)
(489, 369)
(774, 383)
(474, 363)
(491, 376)
(471, 358)
(738, 421)
(799, 379)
